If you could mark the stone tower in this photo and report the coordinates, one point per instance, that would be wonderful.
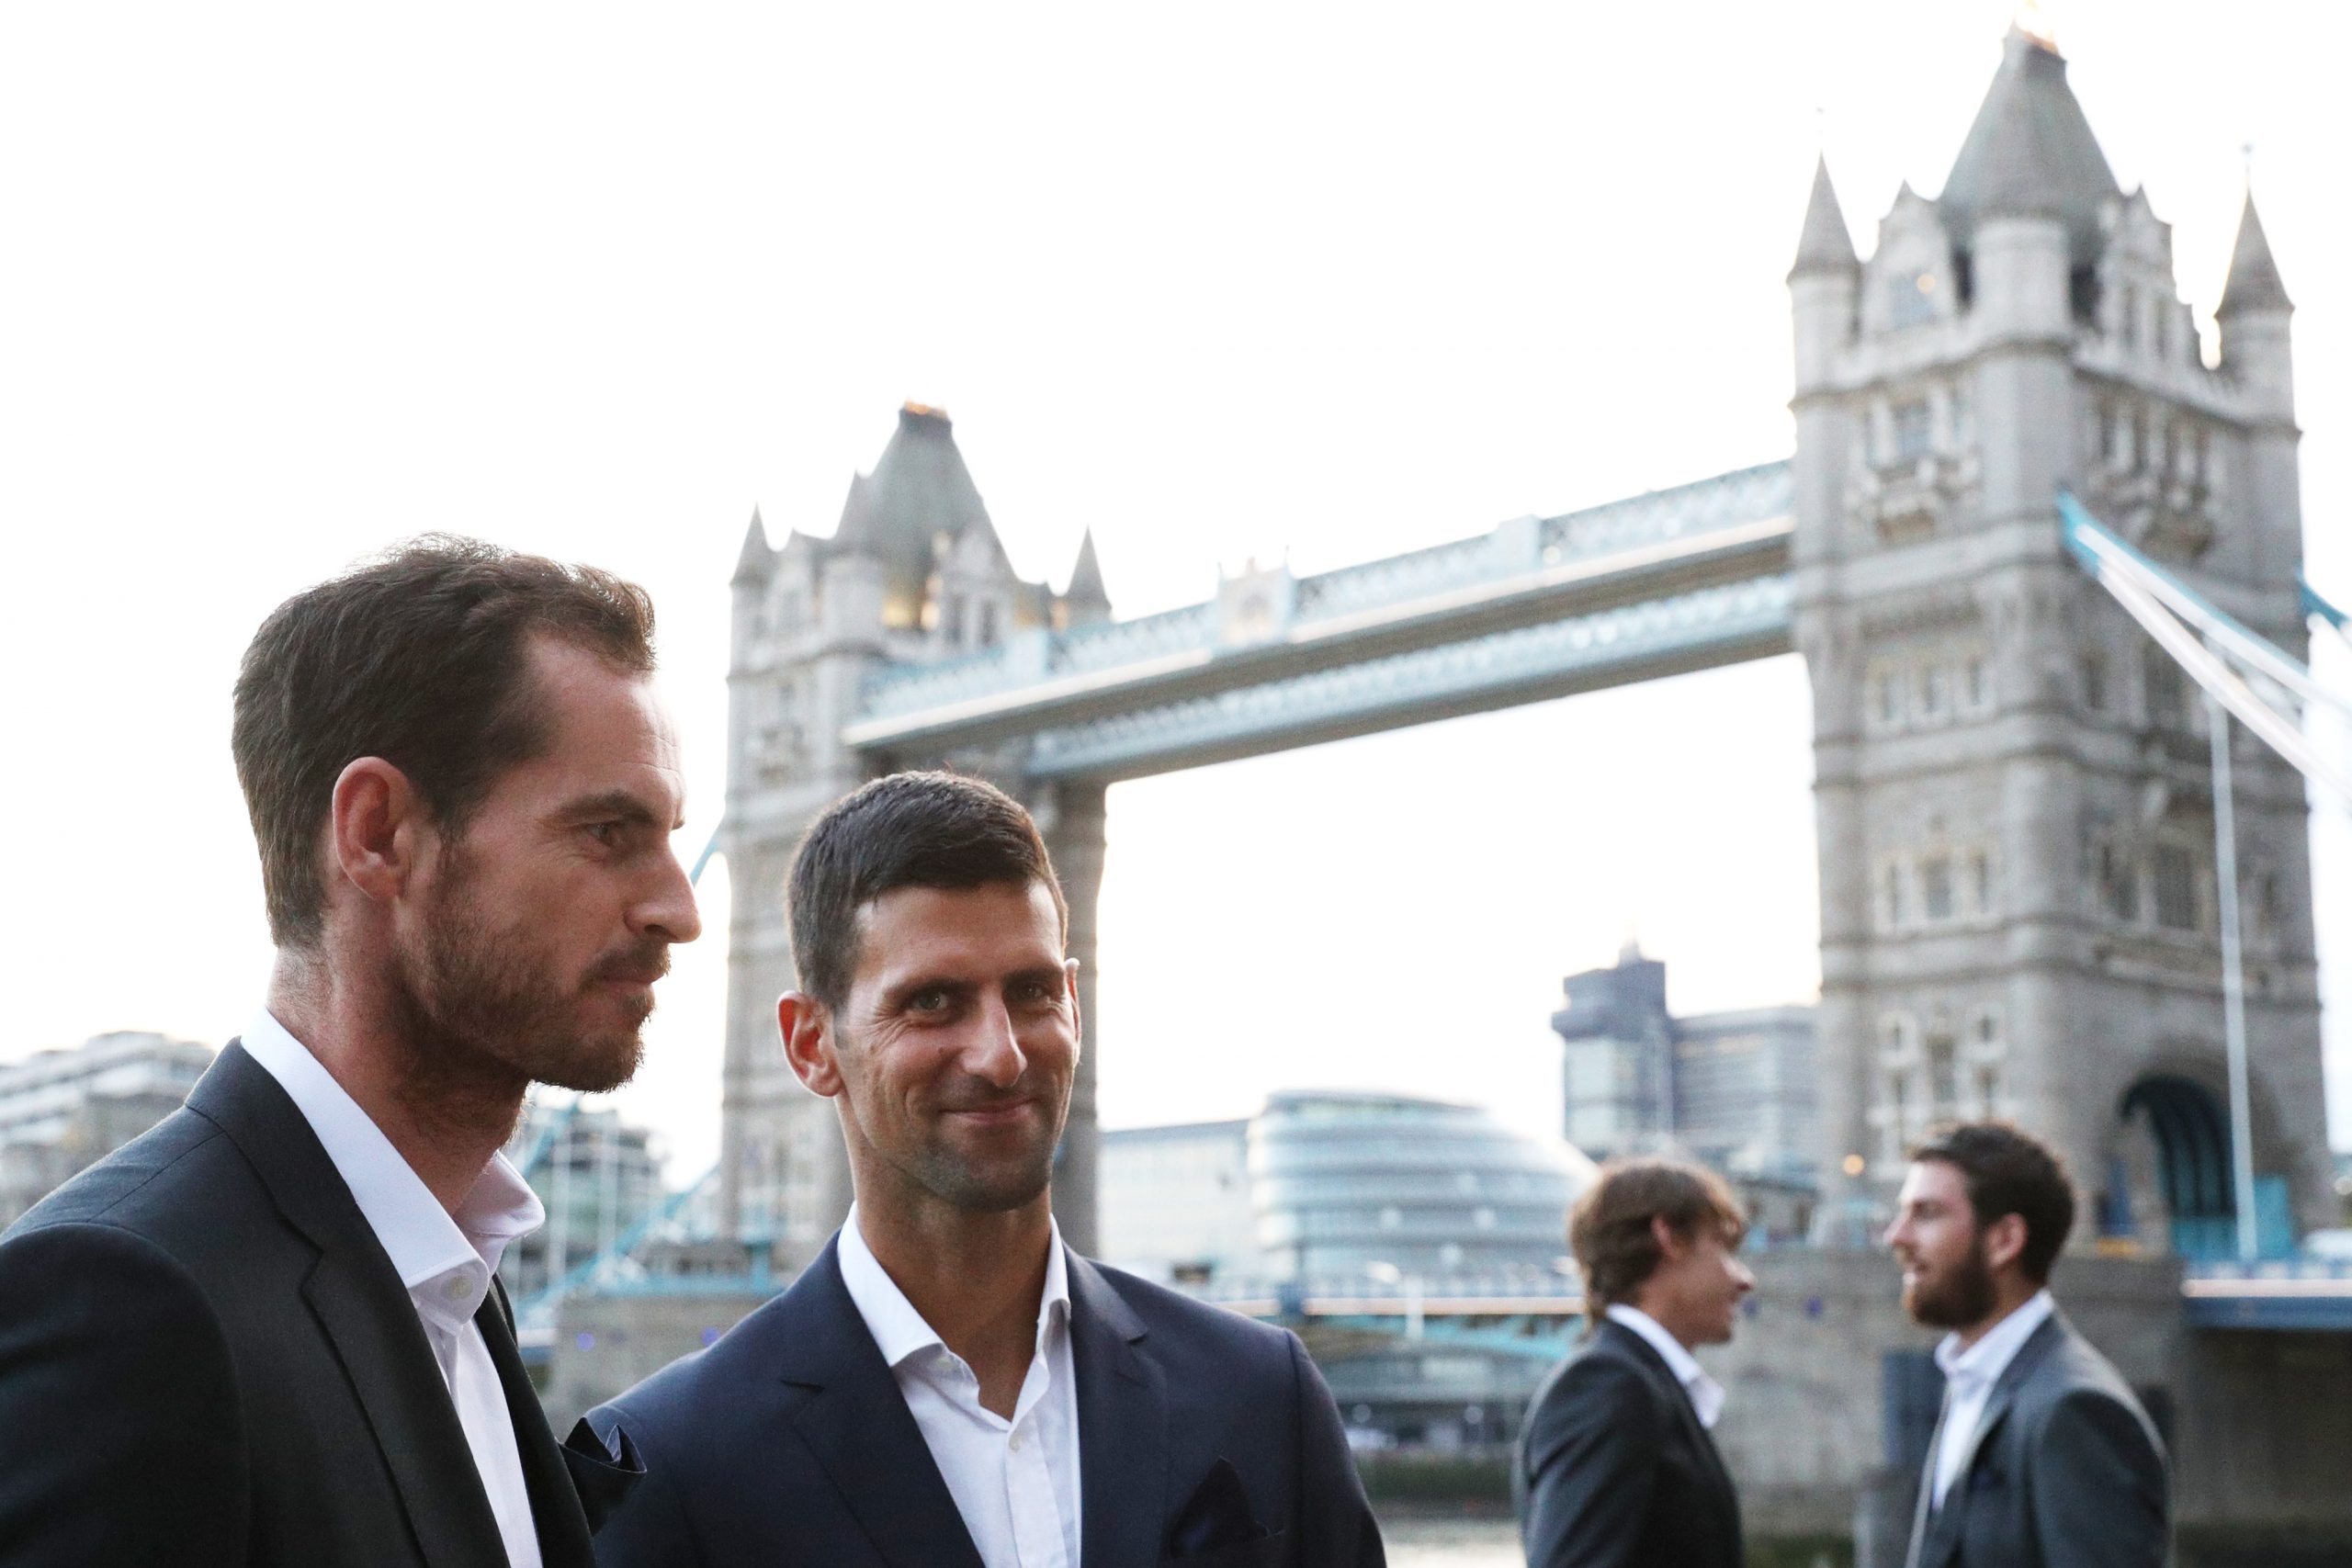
(913, 574)
(2013, 790)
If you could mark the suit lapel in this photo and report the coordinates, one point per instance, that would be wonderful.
(849, 1413)
(1122, 1428)
(561, 1523)
(366, 1314)
(2038, 1345)
(1693, 1429)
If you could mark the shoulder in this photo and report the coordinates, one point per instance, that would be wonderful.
(695, 1396)
(2076, 1389)
(1602, 1380)
(177, 1185)
(1184, 1332)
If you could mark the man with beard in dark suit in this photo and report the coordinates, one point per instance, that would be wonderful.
(949, 1386)
(1616, 1468)
(2042, 1457)
(269, 1334)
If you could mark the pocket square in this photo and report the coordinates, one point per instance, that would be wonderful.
(1216, 1517)
(602, 1475)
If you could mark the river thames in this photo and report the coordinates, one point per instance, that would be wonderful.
(1451, 1543)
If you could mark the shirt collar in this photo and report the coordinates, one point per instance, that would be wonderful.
(1705, 1394)
(898, 1330)
(445, 1262)
(1985, 1361)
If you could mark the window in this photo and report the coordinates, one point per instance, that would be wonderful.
(953, 622)
(1914, 431)
(2118, 883)
(2104, 417)
(1936, 887)
(1980, 881)
(2161, 321)
(1935, 692)
(2127, 316)
(1988, 1089)
(1976, 684)
(1890, 699)
(987, 622)
(2175, 888)
(1891, 889)
(2095, 682)
(1911, 300)
(1943, 1072)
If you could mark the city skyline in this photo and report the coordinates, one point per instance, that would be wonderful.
(1408, 254)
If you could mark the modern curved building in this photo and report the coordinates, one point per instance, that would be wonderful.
(1346, 1184)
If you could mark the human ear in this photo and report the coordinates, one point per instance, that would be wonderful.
(373, 819)
(2005, 1240)
(805, 1025)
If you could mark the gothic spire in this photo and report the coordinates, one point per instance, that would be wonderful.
(1825, 245)
(753, 563)
(2030, 150)
(1086, 593)
(2254, 283)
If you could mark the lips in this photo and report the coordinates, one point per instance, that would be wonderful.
(993, 1114)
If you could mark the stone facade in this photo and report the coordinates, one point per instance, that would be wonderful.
(2013, 789)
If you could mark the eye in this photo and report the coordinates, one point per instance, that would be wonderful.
(931, 998)
(606, 833)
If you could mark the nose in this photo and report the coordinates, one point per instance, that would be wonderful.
(669, 912)
(1896, 1230)
(1744, 1275)
(994, 1054)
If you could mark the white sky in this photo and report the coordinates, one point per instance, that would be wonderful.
(1216, 281)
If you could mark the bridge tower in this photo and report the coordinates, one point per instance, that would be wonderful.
(913, 573)
(2013, 790)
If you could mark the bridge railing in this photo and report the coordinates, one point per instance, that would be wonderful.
(1519, 548)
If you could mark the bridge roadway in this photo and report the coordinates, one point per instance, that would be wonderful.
(1673, 581)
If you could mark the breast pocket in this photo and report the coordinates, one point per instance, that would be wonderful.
(1266, 1552)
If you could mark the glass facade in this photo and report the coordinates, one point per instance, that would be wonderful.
(1347, 1185)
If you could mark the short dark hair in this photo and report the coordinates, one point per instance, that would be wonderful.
(1609, 1228)
(912, 829)
(419, 657)
(2009, 1171)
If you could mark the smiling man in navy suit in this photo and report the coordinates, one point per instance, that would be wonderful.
(948, 1386)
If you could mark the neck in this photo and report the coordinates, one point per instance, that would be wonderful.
(1662, 1315)
(445, 1110)
(2009, 1293)
(977, 1277)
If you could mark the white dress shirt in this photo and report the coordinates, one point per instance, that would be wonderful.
(1969, 1377)
(1015, 1483)
(1706, 1395)
(446, 1263)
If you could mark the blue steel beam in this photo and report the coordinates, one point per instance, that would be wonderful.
(1725, 624)
(1526, 573)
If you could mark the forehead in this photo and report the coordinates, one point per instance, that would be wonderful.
(606, 727)
(1935, 1181)
(943, 930)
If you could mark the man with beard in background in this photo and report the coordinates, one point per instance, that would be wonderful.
(269, 1331)
(947, 1385)
(2042, 1457)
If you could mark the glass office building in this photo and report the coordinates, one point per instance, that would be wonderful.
(1347, 1185)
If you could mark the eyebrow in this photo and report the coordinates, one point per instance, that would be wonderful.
(622, 805)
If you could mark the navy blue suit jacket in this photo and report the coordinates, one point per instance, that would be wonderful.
(788, 1445)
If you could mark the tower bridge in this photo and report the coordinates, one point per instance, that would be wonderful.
(2014, 795)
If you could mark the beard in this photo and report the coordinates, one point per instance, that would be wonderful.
(1962, 1296)
(996, 1183)
(471, 995)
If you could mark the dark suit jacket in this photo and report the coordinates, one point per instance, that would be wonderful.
(206, 1357)
(1204, 1439)
(2067, 1470)
(1615, 1470)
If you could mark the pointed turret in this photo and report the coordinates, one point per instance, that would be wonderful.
(754, 563)
(2254, 283)
(2030, 152)
(1825, 245)
(1086, 599)
(919, 498)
